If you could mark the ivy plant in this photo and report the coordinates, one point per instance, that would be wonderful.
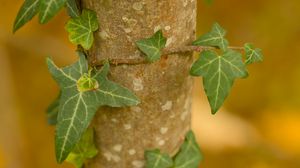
(83, 91)
(81, 29)
(84, 88)
(215, 38)
(189, 156)
(218, 69)
(219, 73)
(253, 55)
(152, 46)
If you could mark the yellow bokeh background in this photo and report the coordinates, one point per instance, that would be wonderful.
(258, 127)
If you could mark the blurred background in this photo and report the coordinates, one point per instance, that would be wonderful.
(259, 126)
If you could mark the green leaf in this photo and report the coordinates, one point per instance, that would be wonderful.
(219, 73)
(189, 155)
(52, 111)
(81, 29)
(72, 8)
(77, 107)
(152, 46)
(49, 8)
(253, 55)
(155, 159)
(27, 11)
(214, 38)
(84, 150)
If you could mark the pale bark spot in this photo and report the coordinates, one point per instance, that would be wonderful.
(109, 156)
(185, 2)
(125, 19)
(131, 152)
(118, 148)
(164, 130)
(127, 126)
(184, 115)
(137, 6)
(167, 106)
(187, 104)
(136, 109)
(169, 41)
(167, 28)
(104, 35)
(127, 30)
(138, 163)
(138, 84)
(161, 142)
(132, 22)
(114, 120)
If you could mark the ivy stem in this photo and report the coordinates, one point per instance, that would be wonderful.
(194, 48)
(165, 52)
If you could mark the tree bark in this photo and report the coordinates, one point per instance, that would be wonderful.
(164, 87)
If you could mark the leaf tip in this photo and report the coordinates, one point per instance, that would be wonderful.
(61, 155)
(14, 29)
(58, 160)
(214, 111)
(58, 155)
(49, 61)
(42, 20)
(138, 101)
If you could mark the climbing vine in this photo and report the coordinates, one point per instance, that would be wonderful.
(84, 88)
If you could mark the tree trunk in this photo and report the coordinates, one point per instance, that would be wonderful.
(163, 117)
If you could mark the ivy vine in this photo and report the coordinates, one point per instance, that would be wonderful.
(189, 155)
(84, 88)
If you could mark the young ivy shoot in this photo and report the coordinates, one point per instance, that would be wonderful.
(84, 88)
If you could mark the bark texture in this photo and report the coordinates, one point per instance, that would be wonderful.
(163, 117)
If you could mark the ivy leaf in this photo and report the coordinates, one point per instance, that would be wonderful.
(72, 8)
(152, 46)
(84, 150)
(49, 8)
(214, 38)
(52, 111)
(155, 159)
(253, 55)
(219, 73)
(81, 29)
(83, 92)
(189, 155)
(27, 11)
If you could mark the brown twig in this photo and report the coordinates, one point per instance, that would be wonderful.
(166, 51)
